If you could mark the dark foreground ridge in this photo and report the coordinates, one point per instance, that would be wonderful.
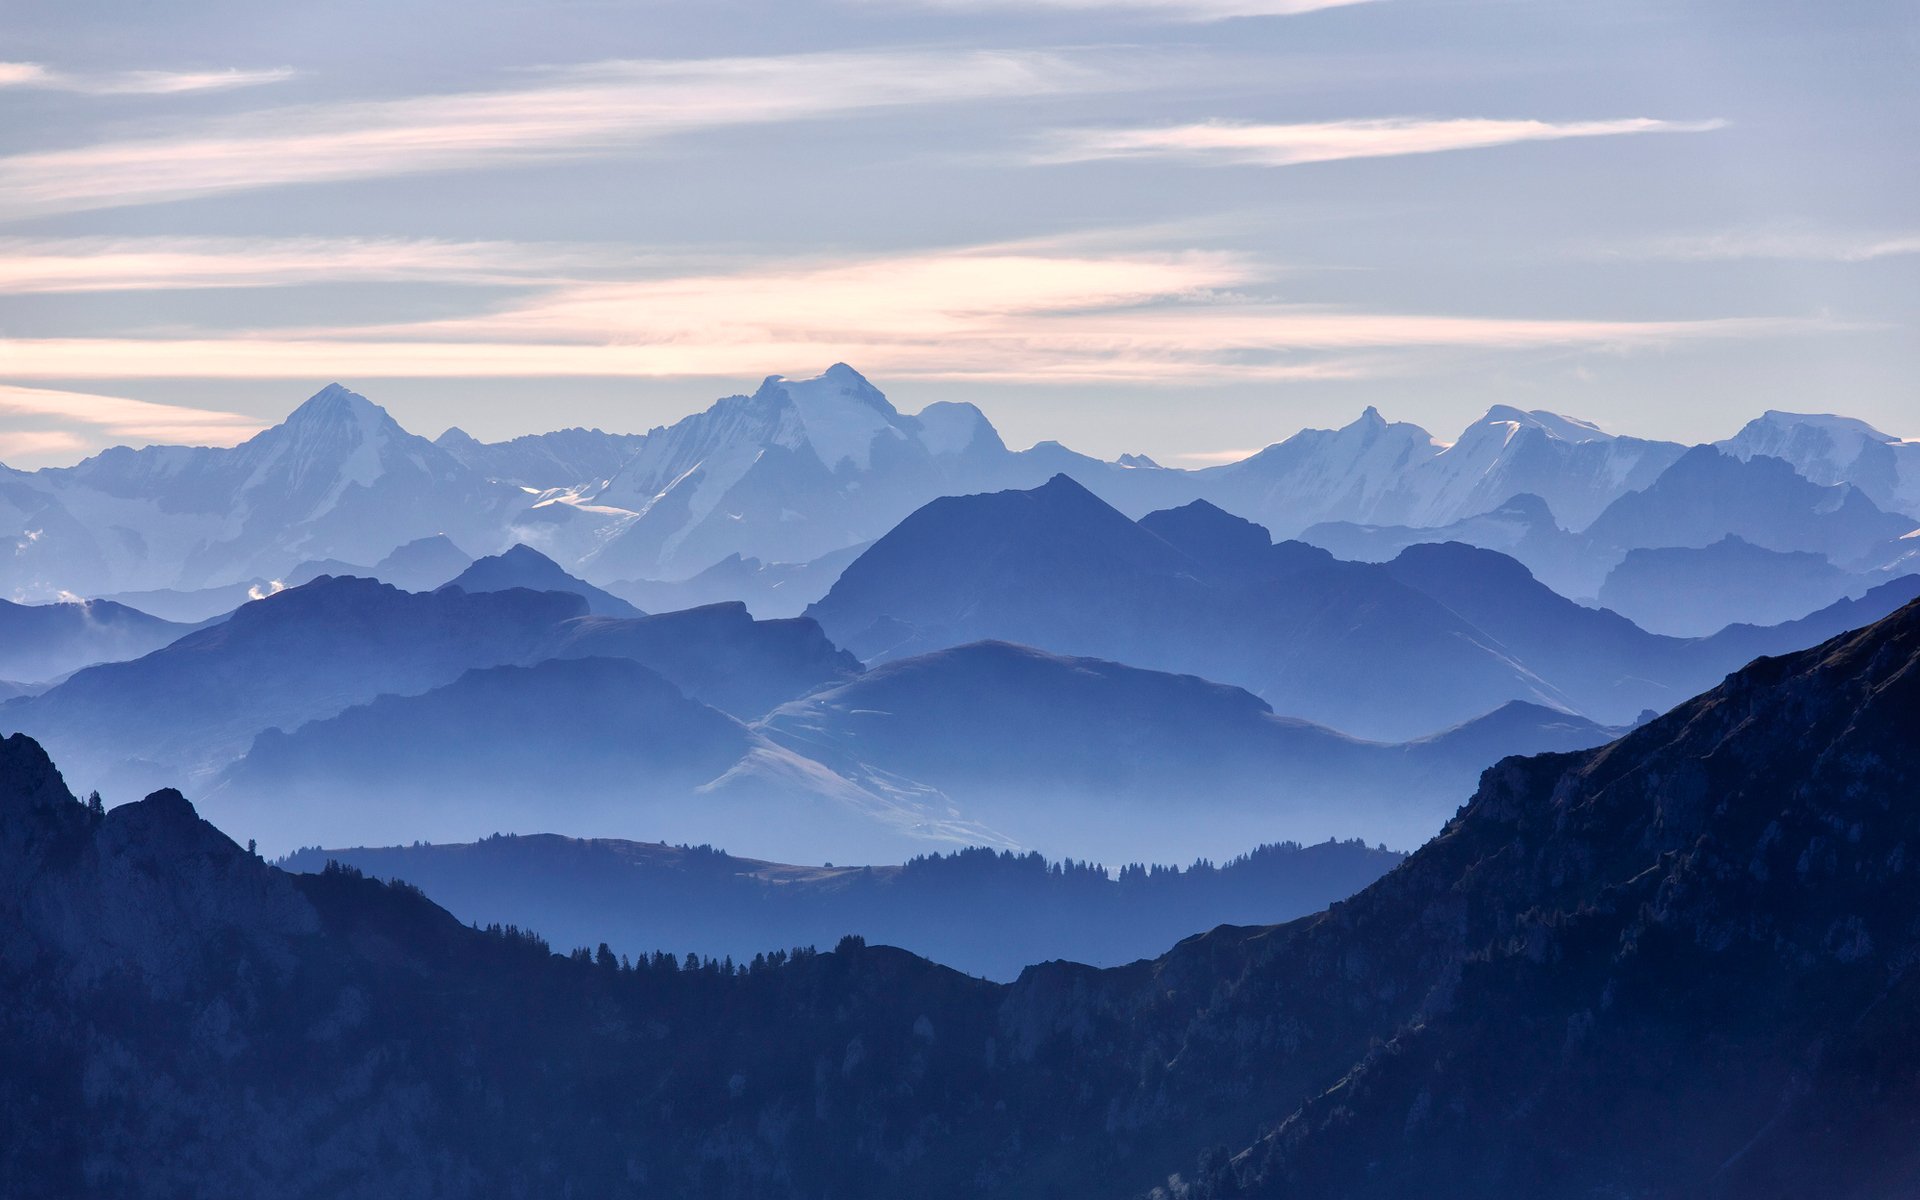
(1680, 965)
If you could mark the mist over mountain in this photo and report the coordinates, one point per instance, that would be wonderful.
(1390, 651)
(41, 641)
(1693, 591)
(1692, 942)
(406, 767)
(1745, 514)
(1522, 528)
(985, 744)
(302, 653)
(718, 653)
(978, 910)
(1058, 568)
(1707, 495)
(768, 589)
(1111, 761)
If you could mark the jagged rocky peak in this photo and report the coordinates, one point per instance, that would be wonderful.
(336, 404)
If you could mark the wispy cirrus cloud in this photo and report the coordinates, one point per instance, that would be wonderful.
(136, 83)
(42, 266)
(578, 112)
(1293, 144)
(1174, 10)
(80, 420)
(1023, 312)
(1799, 244)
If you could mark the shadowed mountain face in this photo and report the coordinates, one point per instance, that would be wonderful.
(1338, 643)
(989, 743)
(522, 566)
(1693, 591)
(1441, 634)
(977, 910)
(574, 744)
(1707, 495)
(1679, 965)
(1706, 501)
(42, 641)
(1090, 757)
(718, 654)
(303, 653)
(768, 589)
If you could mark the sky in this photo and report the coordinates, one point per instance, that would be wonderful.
(1186, 228)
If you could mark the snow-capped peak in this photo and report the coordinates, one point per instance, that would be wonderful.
(1567, 429)
(839, 413)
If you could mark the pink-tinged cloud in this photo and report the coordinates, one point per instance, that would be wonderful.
(117, 417)
(29, 266)
(1014, 312)
(1286, 145)
(582, 112)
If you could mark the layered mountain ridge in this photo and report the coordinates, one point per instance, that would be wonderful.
(1696, 942)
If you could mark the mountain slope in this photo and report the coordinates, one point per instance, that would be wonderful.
(521, 566)
(768, 589)
(1093, 758)
(1679, 965)
(1381, 473)
(1831, 449)
(799, 469)
(41, 641)
(302, 653)
(338, 479)
(1707, 495)
(1342, 644)
(1693, 591)
(1523, 528)
(455, 761)
(566, 458)
(717, 654)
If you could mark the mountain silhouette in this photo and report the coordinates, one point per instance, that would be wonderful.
(1675, 965)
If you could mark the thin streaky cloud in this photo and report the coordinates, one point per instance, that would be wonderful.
(594, 110)
(1809, 245)
(120, 417)
(1158, 346)
(137, 83)
(39, 266)
(1285, 145)
(18, 444)
(1174, 10)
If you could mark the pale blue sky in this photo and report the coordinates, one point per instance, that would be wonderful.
(1186, 227)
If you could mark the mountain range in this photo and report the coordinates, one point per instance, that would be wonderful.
(798, 472)
(1441, 634)
(985, 744)
(1677, 965)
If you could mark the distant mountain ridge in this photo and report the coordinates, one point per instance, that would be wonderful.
(1438, 636)
(800, 470)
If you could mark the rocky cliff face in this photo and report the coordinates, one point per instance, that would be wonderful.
(1679, 965)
